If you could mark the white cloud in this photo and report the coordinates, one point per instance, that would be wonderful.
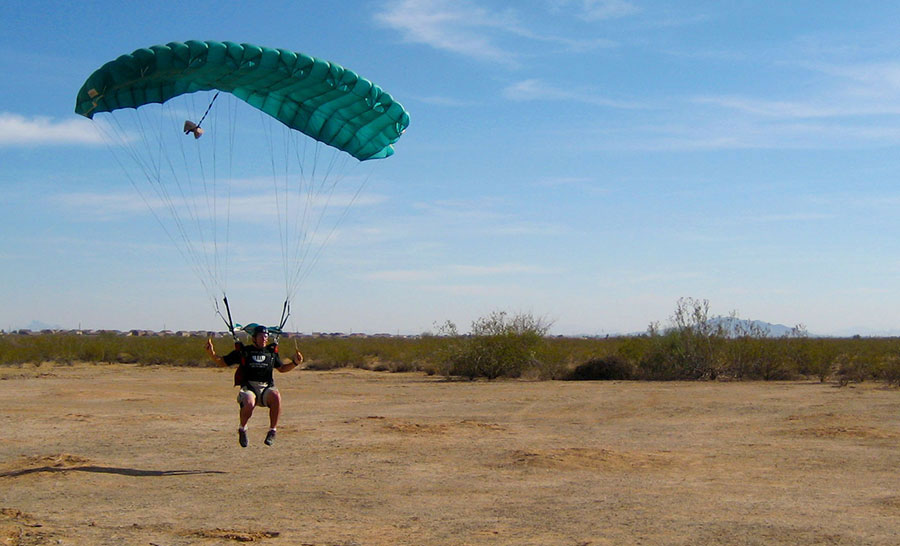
(583, 184)
(564, 181)
(792, 217)
(534, 89)
(528, 228)
(255, 208)
(465, 28)
(475, 211)
(455, 26)
(864, 89)
(467, 290)
(875, 76)
(17, 130)
(821, 107)
(101, 205)
(499, 269)
(457, 271)
(401, 275)
(598, 10)
(446, 101)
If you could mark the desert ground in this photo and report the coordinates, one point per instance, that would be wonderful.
(148, 455)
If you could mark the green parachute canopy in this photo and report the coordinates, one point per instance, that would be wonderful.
(321, 99)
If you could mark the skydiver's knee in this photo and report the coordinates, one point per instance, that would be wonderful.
(273, 397)
(246, 399)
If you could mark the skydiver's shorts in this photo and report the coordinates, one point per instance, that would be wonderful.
(259, 391)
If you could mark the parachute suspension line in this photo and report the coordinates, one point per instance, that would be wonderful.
(232, 130)
(199, 123)
(288, 233)
(219, 269)
(208, 254)
(282, 213)
(320, 193)
(123, 138)
(214, 199)
(192, 201)
(183, 188)
(305, 220)
(192, 198)
(316, 187)
(209, 178)
(129, 149)
(304, 272)
(305, 185)
(213, 251)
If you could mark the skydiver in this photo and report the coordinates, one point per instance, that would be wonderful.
(254, 376)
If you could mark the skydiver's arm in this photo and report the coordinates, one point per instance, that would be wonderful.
(211, 351)
(298, 359)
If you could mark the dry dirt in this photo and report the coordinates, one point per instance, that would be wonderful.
(124, 454)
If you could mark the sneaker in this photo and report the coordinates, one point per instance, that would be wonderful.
(242, 437)
(270, 438)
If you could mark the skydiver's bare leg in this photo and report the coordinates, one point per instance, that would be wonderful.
(273, 401)
(247, 408)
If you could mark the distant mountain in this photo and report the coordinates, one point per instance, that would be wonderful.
(737, 326)
(37, 326)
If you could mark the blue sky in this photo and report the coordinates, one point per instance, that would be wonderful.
(586, 161)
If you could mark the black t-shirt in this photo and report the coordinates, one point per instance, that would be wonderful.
(255, 364)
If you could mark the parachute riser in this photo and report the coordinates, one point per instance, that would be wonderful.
(228, 322)
(285, 313)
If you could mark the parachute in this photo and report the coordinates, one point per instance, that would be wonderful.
(321, 99)
(297, 119)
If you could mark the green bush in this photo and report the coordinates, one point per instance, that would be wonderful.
(552, 359)
(888, 369)
(850, 368)
(605, 369)
(690, 349)
(499, 346)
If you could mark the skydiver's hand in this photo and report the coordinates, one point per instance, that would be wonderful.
(298, 359)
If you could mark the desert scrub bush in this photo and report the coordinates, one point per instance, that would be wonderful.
(499, 345)
(633, 348)
(656, 363)
(849, 368)
(392, 354)
(749, 353)
(888, 369)
(607, 368)
(680, 353)
(552, 360)
(337, 354)
(808, 357)
(689, 349)
(108, 347)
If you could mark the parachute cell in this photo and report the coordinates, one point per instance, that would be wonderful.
(318, 98)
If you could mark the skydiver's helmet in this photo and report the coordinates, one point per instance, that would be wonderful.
(253, 328)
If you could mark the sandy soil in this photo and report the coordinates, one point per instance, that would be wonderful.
(122, 454)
